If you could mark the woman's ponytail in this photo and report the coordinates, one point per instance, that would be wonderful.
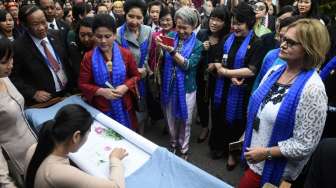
(68, 120)
(44, 147)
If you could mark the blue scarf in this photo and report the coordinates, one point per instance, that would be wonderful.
(116, 78)
(143, 54)
(271, 59)
(328, 68)
(283, 125)
(234, 105)
(173, 88)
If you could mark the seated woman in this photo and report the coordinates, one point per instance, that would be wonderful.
(287, 112)
(16, 136)
(179, 79)
(108, 74)
(48, 163)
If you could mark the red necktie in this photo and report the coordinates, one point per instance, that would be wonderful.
(52, 61)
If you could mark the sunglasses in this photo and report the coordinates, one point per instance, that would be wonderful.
(290, 42)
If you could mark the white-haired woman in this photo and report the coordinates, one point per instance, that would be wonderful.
(179, 79)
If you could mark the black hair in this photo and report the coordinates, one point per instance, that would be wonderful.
(286, 9)
(155, 3)
(66, 11)
(104, 20)
(80, 9)
(38, 3)
(6, 49)
(274, 9)
(85, 22)
(289, 20)
(223, 13)
(3, 14)
(60, 3)
(100, 5)
(244, 13)
(253, 3)
(26, 11)
(167, 11)
(314, 10)
(68, 120)
(129, 4)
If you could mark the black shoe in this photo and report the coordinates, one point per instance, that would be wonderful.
(172, 149)
(185, 156)
(215, 155)
(201, 140)
(230, 167)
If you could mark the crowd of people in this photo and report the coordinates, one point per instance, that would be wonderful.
(257, 77)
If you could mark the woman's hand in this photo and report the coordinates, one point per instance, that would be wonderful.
(121, 90)
(118, 153)
(163, 46)
(237, 81)
(211, 67)
(256, 154)
(206, 45)
(143, 72)
(109, 94)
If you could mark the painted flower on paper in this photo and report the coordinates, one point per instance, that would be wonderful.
(99, 130)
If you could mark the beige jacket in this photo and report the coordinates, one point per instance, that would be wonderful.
(16, 136)
(56, 171)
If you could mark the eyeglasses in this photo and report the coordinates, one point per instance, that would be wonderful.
(290, 42)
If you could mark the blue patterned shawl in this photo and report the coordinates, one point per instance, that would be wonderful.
(173, 89)
(116, 78)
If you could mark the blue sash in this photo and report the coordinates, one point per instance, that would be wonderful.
(271, 59)
(143, 54)
(116, 78)
(234, 104)
(283, 125)
(328, 68)
(173, 87)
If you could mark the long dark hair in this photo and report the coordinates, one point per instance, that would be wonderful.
(3, 15)
(6, 49)
(68, 120)
(314, 10)
(223, 13)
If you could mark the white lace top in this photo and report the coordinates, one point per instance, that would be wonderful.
(309, 123)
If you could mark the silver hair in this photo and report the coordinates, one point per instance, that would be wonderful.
(188, 15)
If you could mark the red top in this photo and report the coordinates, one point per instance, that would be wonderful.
(89, 88)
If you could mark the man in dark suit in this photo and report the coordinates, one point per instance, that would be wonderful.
(41, 68)
(49, 9)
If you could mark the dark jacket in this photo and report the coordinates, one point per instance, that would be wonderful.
(31, 72)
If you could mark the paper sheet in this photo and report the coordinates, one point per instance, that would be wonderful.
(93, 156)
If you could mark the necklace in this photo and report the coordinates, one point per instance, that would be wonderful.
(109, 65)
(289, 80)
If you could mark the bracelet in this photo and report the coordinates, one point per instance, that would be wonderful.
(268, 154)
(173, 53)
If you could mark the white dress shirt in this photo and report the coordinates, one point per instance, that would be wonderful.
(51, 49)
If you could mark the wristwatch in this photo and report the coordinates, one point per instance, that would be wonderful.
(269, 154)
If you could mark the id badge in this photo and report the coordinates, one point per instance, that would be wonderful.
(63, 78)
(256, 124)
(224, 60)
